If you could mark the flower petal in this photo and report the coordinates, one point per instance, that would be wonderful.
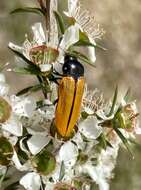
(36, 143)
(4, 89)
(14, 126)
(72, 6)
(39, 35)
(45, 67)
(23, 106)
(71, 36)
(15, 47)
(68, 153)
(31, 181)
(89, 128)
(2, 77)
(92, 51)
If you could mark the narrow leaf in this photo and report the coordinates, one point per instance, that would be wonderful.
(113, 102)
(27, 70)
(124, 140)
(60, 22)
(102, 141)
(82, 57)
(109, 144)
(28, 10)
(127, 95)
(87, 43)
(101, 47)
(138, 145)
(84, 41)
(62, 171)
(19, 54)
(29, 89)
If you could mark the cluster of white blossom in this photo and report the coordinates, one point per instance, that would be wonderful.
(87, 159)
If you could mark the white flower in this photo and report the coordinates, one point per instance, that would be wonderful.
(23, 106)
(102, 172)
(2, 77)
(84, 19)
(11, 138)
(70, 37)
(37, 142)
(31, 181)
(96, 173)
(4, 87)
(92, 101)
(90, 128)
(49, 186)
(86, 23)
(45, 67)
(40, 121)
(43, 52)
(68, 154)
(79, 141)
(13, 126)
(38, 34)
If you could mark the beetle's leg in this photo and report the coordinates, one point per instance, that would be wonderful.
(57, 73)
(54, 79)
(55, 101)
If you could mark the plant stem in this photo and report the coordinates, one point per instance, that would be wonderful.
(47, 17)
(41, 82)
(3, 177)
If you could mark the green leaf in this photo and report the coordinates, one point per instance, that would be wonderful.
(113, 102)
(109, 144)
(84, 41)
(60, 22)
(137, 144)
(29, 89)
(127, 95)
(3, 177)
(28, 10)
(100, 47)
(44, 162)
(5, 110)
(121, 120)
(78, 184)
(102, 141)
(19, 54)
(6, 151)
(62, 171)
(82, 57)
(30, 70)
(87, 43)
(124, 140)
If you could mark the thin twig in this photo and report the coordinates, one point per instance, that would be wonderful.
(47, 16)
(3, 176)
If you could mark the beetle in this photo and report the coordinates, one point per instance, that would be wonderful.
(70, 93)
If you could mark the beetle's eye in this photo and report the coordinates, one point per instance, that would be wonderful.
(72, 67)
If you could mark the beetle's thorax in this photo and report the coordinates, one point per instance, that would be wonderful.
(72, 67)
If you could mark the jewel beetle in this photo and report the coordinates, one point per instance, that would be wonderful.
(70, 92)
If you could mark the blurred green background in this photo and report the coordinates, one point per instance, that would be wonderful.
(119, 65)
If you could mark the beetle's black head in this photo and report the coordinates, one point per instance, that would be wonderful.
(72, 67)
